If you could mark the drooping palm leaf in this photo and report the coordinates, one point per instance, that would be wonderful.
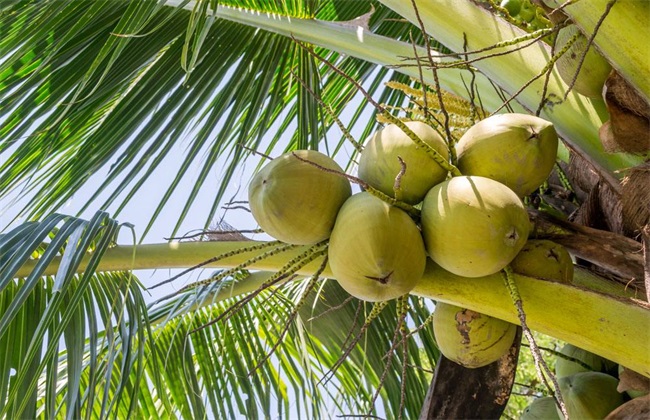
(40, 316)
(216, 361)
(201, 368)
(79, 346)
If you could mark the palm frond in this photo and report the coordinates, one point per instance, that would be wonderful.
(80, 346)
(121, 87)
(78, 313)
(215, 367)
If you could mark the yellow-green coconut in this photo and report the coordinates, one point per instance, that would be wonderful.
(470, 338)
(376, 250)
(473, 226)
(589, 395)
(379, 164)
(518, 150)
(544, 259)
(295, 201)
(541, 409)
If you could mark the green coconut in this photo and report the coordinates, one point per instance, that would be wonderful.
(295, 201)
(544, 259)
(594, 363)
(589, 395)
(518, 150)
(541, 409)
(379, 164)
(473, 226)
(376, 250)
(594, 70)
(470, 338)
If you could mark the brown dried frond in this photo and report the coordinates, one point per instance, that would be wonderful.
(223, 231)
(628, 128)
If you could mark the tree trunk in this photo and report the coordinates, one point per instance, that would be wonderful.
(457, 392)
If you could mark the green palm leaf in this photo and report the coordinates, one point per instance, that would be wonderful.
(219, 363)
(42, 315)
(130, 81)
(80, 346)
(200, 368)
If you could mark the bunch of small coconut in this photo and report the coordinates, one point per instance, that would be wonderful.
(472, 225)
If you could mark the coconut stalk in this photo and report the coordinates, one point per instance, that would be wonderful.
(613, 327)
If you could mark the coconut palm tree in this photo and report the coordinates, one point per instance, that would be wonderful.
(111, 93)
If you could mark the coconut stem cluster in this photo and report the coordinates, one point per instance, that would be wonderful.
(472, 222)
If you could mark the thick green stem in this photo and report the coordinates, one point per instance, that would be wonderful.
(623, 38)
(357, 42)
(613, 327)
(618, 329)
(577, 119)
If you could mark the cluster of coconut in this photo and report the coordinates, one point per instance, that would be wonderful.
(472, 225)
(590, 388)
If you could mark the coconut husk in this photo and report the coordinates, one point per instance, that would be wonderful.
(636, 409)
(601, 210)
(601, 204)
(626, 96)
(628, 128)
(610, 203)
(581, 174)
(589, 213)
(629, 380)
(635, 192)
